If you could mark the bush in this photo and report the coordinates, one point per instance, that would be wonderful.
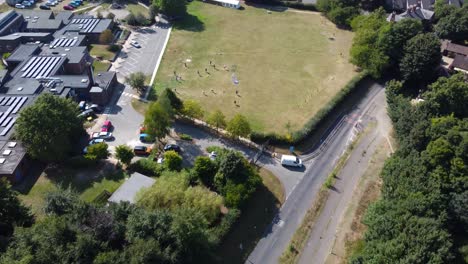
(172, 160)
(292, 4)
(146, 167)
(218, 232)
(114, 48)
(185, 137)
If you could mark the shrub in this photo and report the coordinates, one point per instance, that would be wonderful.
(185, 137)
(146, 167)
(172, 160)
(114, 48)
(79, 162)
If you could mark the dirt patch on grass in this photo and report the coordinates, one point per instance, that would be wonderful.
(254, 219)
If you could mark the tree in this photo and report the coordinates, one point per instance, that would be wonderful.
(106, 37)
(172, 7)
(394, 36)
(12, 212)
(217, 119)
(153, 11)
(61, 202)
(99, 15)
(124, 154)
(192, 109)
(156, 121)
(98, 151)
(239, 126)
(204, 169)
(57, 120)
(131, 19)
(175, 102)
(453, 23)
(172, 160)
(140, 19)
(137, 81)
(342, 16)
(448, 95)
(422, 56)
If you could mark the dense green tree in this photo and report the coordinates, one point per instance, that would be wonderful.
(57, 120)
(394, 36)
(60, 202)
(124, 154)
(106, 37)
(422, 56)
(192, 109)
(342, 16)
(365, 51)
(204, 170)
(172, 8)
(157, 121)
(131, 19)
(238, 126)
(12, 212)
(137, 81)
(453, 23)
(174, 101)
(217, 119)
(172, 160)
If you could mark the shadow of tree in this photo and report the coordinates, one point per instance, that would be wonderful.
(189, 23)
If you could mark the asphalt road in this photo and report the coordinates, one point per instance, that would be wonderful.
(291, 214)
(322, 236)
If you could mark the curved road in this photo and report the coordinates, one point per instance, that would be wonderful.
(291, 214)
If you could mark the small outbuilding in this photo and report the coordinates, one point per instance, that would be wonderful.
(128, 190)
(226, 3)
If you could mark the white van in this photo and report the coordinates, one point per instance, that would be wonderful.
(289, 160)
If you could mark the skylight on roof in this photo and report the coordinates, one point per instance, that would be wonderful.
(6, 152)
(2, 160)
(12, 144)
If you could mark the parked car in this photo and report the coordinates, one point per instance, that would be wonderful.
(103, 135)
(67, 7)
(174, 147)
(290, 160)
(82, 104)
(96, 141)
(146, 138)
(96, 108)
(86, 113)
(26, 3)
(44, 7)
(135, 44)
(77, 3)
(141, 150)
(20, 6)
(213, 155)
(106, 126)
(73, 5)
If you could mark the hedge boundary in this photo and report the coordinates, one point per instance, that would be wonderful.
(291, 4)
(315, 121)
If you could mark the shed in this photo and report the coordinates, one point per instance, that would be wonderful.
(128, 190)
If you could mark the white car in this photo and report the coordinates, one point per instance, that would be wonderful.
(135, 44)
(20, 6)
(103, 135)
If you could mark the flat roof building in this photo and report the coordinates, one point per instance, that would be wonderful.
(128, 190)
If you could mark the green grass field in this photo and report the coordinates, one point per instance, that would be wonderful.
(101, 51)
(289, 64)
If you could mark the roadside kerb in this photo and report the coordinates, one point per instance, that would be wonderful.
(158, 62)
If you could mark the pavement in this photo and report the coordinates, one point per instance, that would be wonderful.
(299, 200)
(119, 111)
(323, 233)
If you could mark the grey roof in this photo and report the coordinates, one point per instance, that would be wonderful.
(96, 89)
(24, 51)
(128, 190)
(48, 24)
(460, 62)
(65, 16)
(16, 153)
(415, 13)
(36, 14)
(103, 79)
(6, 14)
(73, 81)
(24, 35)
(74, 54)
(21, 86)
(3, 75)
(88, 25)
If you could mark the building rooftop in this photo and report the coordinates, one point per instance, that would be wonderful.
(23, 52)
(103, 79)
(74, 54)
(9, 109)
(21, 86)
(455, 48)
(460, 62)
(11, 154)
(39, 66)
(90, 25)
(128, 190)
(24, 35)
(67, 40)
(36, 14)
(65, 16)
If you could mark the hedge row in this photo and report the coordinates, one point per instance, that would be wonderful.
(313, 123)
(291, 4)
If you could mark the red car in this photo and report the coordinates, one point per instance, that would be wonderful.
(67, 7)
(106, 126)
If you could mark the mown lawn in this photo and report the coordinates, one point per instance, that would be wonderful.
(288, 65)
(100, 66)
(101, 51)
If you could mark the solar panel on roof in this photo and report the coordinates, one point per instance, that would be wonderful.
(31, 66)
(48, 63)
(6, 121)
(19, 105)
(8, 127)
(10, 101)
(43, 64)
(29, 63)
(56, 61)
(1, 100)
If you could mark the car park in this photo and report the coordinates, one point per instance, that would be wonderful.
(173, 147)
(20, 6)
(135, 44)
(106, 126)
(141, 150)
(44, 7)
(102, 135)
(67, 7)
